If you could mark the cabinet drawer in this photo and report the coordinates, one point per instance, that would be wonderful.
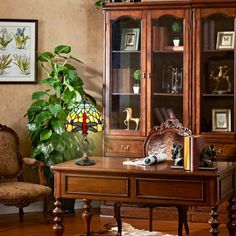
(225, 149)
(124, 146)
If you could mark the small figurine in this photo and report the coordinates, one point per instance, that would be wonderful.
(177, 154)
(129, 118)
(223, 75)
(207, 156)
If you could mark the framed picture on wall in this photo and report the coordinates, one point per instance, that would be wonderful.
(130, 39)
(18, 47)
(221, 120)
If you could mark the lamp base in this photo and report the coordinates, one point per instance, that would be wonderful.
(85, 162)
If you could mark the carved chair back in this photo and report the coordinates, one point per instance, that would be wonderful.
(161, 138)
(10, 163)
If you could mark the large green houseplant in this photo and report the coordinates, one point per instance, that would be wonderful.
(51, 143)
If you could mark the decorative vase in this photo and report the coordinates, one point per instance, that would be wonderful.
(176, 42)
(136, 89)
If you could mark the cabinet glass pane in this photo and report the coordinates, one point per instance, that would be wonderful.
(167, 69)
(125, 74)
(217, 74)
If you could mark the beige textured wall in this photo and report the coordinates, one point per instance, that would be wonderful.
(74, 22)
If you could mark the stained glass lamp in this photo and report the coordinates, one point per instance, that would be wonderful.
(84, 117)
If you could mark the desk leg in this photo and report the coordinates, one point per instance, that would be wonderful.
(117, 206)
(87, 215)
(232, 217)
(214, 222)
(58, 227)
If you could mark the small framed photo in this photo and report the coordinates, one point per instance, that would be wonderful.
(225, 40)
(130, 39)
(18, 51)
(221, 120)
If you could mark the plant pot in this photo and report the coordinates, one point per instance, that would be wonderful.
(136, 89)
(176, 42)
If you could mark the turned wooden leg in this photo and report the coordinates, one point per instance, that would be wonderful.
(57, 212)
(87, 215)
(45, 210)
(232, 216)
(21, 213)
(150, 216)
(214, 222)
(180, 220)
(185, 212)
(117, 206)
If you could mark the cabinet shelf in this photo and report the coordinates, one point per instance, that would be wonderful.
(168, 94)
(126, 94)
(167, 51)
(125, 51)
(217, 50)
(218, 95)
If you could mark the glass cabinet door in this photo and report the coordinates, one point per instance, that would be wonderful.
(217, 73)
(168, 73)
(126, 89)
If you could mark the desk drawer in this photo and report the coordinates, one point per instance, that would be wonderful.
(124, 146)
(172, 189)
(95, 185)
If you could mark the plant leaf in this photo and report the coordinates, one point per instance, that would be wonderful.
(45, 56)
(62, 49)
(69, 67)
(76, 59)
(58, 126)
(38, 95)
(54, 108)
(46, 149)
(43, 116)
(45, 135)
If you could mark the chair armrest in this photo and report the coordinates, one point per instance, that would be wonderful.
(40, 166)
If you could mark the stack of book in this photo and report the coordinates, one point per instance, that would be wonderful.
(209, 35)
(160, 38)
(121, 80)
(163, 114)
(193, 145)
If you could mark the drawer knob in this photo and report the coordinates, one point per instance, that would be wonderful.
(125, 148)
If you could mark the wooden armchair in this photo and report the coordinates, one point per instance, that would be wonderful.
(13, 190)
(160, 140)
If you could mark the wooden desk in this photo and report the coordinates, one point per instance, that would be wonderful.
(110, 180)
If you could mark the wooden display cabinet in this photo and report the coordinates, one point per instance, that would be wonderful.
(193, 81)
(214, 81)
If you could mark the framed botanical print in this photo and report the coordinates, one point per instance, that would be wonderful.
(18, 48)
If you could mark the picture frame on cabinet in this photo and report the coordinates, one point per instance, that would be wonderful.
(225, 40)
(18, 49)
(130, 39)
(221, 120)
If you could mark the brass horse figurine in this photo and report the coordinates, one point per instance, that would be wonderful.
(129, 118)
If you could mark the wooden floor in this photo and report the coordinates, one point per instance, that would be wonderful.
(34, 225)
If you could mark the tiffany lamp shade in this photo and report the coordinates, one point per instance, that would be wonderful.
(84, 117)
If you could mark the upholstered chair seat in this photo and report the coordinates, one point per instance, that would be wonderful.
(14, 191)
(22, 193)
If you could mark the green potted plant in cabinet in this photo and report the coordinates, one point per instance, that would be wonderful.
(176, 29)
(137, 78)
(51, 143)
